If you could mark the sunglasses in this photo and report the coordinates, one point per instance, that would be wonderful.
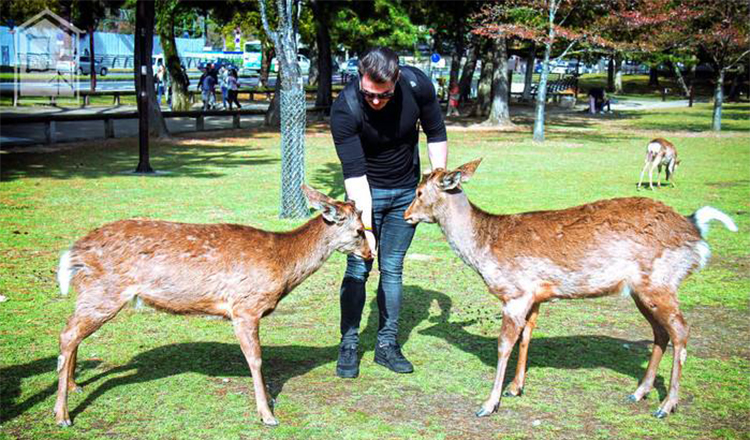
(381, 96)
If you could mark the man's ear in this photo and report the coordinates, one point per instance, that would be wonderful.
(460, 175)
(322, 202)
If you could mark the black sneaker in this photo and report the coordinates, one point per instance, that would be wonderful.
(347, 366)
(389, 356)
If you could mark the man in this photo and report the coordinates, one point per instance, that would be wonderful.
(374, 127)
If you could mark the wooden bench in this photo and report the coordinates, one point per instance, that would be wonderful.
(50, 121)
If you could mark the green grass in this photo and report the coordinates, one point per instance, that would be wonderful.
(154, 375)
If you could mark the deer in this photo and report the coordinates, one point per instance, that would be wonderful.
(232, 271)
(659, 153)
(635, 246)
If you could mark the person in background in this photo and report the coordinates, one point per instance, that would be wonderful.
(454, 96)
(234, 86)
(224, 83)
(374, 128)
(207, 86)
(159, 81)
(598, 100)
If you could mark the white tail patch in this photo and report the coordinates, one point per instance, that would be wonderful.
(704, 253)
(64, 273)
(703, 216)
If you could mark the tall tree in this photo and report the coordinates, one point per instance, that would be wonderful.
(555, 24)
(292, 94)
(168, 14)
(717, 30)
(144, 25)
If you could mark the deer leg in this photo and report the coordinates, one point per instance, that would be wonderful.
(670, 173)
(651, 176)
(669, 316)
(661, 339)
(72, 386)
(246, 329)
(512, 326)
(85, 321)
(643, 171)
(516, 387)
(658, 175)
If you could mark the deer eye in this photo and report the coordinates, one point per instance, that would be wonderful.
(419, 193)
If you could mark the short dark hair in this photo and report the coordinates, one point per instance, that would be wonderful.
(380, 64)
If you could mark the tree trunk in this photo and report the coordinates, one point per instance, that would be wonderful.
(92, 29)
(324, 97)
(272, 118)
(468, 73)
(680, 80)
(529, 76)
(611, 75)
(653, 76)
(144, 16)
(265, 64)
(458, 53)
(499, 109)
(718, 99)
(179, 82)
(293, 108)
(484, 89)
(541, 96)
(618, 73)
(313, 76)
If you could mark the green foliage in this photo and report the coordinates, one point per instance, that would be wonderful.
(152, 375)
(380, 23)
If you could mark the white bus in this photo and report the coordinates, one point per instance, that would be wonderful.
(252, 57)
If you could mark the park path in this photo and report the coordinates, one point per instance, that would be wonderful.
(16, 137)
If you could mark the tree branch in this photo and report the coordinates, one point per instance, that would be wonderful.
(264, 18)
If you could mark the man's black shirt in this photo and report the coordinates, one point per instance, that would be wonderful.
(382, 145)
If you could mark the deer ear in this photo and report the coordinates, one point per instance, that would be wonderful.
(322, 202)
(461, 174)
(467, 169)
(450, 181)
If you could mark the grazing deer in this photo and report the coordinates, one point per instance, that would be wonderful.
(636, 246)
(234, 271)
(659, 153)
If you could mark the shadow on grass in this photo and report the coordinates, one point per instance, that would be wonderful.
(282, 363)
(12, 377)
(560, 352)
(93, 163)
(330, 176)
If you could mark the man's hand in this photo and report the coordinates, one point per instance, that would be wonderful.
(370, 236)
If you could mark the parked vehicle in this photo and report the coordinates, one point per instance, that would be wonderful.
(84, 67)
(304, 64)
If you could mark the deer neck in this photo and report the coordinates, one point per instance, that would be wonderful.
(304, 250)
(458, 220)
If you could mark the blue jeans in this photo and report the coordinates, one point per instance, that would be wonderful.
(394, 237)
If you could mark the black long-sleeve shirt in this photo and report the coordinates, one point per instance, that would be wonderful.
(384, 145)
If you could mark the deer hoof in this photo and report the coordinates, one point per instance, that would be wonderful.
(632, 399)
(484, 412)
(64, 423)
(660, 414)
(76, 389)
(270, 421)
(509, 393)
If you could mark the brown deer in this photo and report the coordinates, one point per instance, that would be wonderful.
(635, 246)
(233, 271)
(659, 153)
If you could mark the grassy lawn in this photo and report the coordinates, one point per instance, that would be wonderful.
(152, 375)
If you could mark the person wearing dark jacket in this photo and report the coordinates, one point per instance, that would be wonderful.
(374, 127)
(207, 86)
